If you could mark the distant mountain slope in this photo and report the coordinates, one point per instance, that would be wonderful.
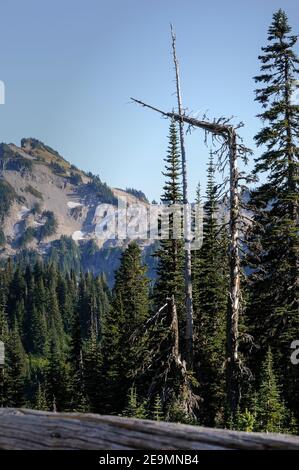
(43, 197)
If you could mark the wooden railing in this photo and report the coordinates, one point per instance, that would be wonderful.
(37, 430)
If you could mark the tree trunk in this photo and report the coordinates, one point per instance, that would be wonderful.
(187, 251)
(232, 369)
(175, 329)
(228, 134)
(292, 177)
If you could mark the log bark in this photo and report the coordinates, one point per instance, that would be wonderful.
(38, 430)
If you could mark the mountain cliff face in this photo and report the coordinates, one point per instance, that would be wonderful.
(48, 208)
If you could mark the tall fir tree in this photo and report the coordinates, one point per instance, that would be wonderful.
(273, 237)
(196, 259)
(4, 333)
(15, 371)
(271, 414)
(212, 289)
(79, 400)
(166, 374)
(40, 402)
(57, 374)
(93, 362)
(66, 291)
(130, 310)
(134, 408)
(170, 255)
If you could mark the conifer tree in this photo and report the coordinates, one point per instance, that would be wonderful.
(111, 357)
(52, 307)
(3, 291)
(79, 401)
(212, 291)
(157, 413)
(170, 269)
(76, 342)
(79, 398)
(4, 333)
(38, 331)
(130, 309)
(57, 374)
(66, 292)
(165, 340)
(245, 421)
(17, 296)
(15, 370)
(64, 368)
(271, 413)
(93, 372)
(273, 237)
(90, 298)
(196, 259)
(158, 409)
(40, 399)
(134, 408)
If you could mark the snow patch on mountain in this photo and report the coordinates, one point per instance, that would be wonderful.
(23, 213)
(72, 205)
(78, 235)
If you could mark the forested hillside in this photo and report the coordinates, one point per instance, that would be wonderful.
(48, 209)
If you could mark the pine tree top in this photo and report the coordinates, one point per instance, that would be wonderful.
(280, 25)
(172, 189)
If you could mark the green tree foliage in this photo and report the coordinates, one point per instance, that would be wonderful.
(15, 371)
(273, 312)
(2, 238)
(245, 421)
(27, 237)
(130, 310)
(7, 196)
(134, 408)
(30, 189)
(165, 374)
(93, 363)
(57, 375)
(137, 193)
(53, 352)
(271, 414)
(66, 254)
(50, 226)
(211, 294)
(75, 178)
(170, 254)
(4, 334)
(40, 398)
(46, 230)
(79, 401)
(157, 413)
(101, 190)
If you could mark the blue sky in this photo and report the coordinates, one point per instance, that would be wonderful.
(70, 67)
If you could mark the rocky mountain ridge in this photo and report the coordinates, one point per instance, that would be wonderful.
(43, 197)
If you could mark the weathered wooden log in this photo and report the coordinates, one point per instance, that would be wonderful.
(38, 430)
